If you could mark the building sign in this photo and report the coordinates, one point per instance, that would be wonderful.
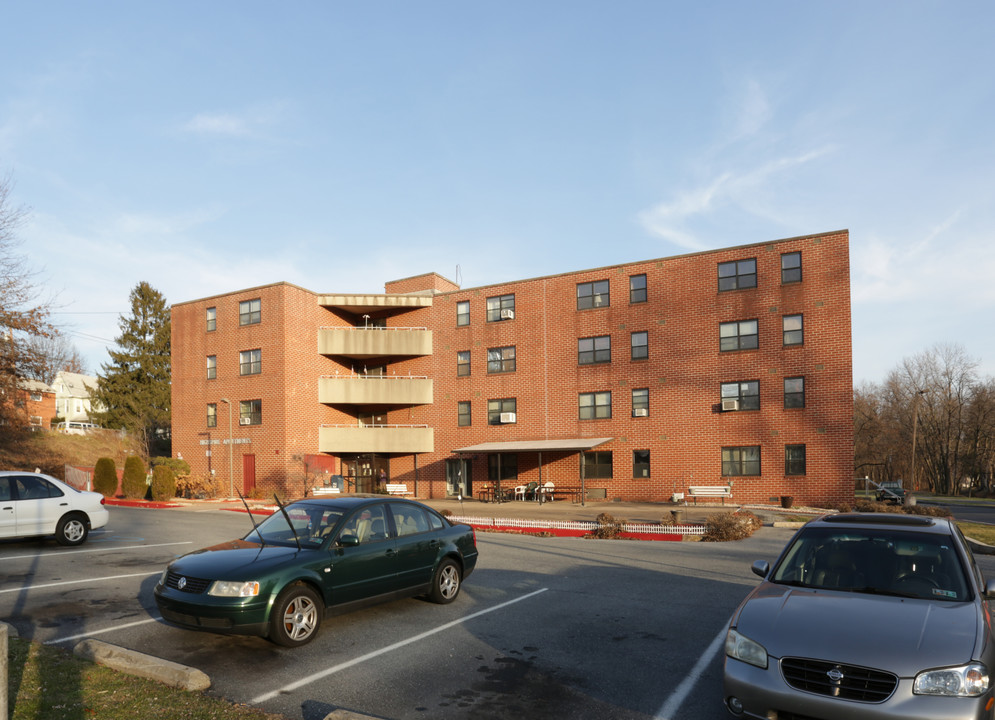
(234, 441)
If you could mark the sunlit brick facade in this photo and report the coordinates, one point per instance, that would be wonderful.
(721, 368)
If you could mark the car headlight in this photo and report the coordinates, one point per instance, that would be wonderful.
(742, 648)
(228, 588)
(966, 681)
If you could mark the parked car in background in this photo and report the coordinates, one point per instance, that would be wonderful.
(891, 491)
(865, 616)
(33, 504)
(317, 556)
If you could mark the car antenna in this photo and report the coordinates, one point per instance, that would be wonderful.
(284, 511)
(251, 519)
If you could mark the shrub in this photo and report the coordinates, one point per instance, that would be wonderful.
(199, 486)
(133, 483)
(105, 477)
(723, 527)
(163, 483)
(179, 466)
(608, 527)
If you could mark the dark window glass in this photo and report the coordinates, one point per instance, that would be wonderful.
(594, 350)
(739, 335)
(595, 406)
(738, 274)
(794, 459)
(746, 393)
(212, 415)
(250, 412)
(637, 288)
(640, 345)
(593, 295)
(791, 267)
(463, 413)
(794, 392)
(250, 362)
(463, 363)
(502, 467)
(501, 359)
(640, 464)
(502, 411)
(249, 312)
(463, 313)
(500, 307)
(596, 465)
(793, 331)
(741, 461)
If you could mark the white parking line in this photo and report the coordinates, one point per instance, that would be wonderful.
(109, 549)
(680, 694)
(390, 648)
(77, 582)
(90, 633)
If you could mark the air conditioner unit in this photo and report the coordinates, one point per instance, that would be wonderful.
(640, 412)
(507, 314)
(244, 421)
(507, 417)
(728, 405)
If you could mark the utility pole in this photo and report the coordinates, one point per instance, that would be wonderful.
(231, 465)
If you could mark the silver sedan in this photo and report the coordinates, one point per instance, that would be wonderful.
(865, 617)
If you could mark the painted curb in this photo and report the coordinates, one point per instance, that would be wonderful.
(341, 714)
(142, 665)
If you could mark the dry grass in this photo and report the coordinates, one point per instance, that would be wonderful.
(52, 451)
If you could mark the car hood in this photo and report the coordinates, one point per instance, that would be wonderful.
(236, 560)
(898, 635)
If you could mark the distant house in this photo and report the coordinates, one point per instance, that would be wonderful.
(38, 401)
(72, 396)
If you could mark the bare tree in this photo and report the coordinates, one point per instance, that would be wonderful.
(56, 353)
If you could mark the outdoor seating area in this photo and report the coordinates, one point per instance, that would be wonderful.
(530, 492)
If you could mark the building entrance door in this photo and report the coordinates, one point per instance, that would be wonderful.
(368, 471)
(458, 477)
(248, 474)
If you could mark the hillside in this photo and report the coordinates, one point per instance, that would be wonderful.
(52, 451)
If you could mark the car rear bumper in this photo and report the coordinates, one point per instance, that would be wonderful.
(227, 619)
(764, 695)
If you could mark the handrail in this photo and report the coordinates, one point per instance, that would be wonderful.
(369, 327)
(365, 427)
(355, 376)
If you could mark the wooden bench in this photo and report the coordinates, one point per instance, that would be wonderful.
(398, 489)
(710, 491)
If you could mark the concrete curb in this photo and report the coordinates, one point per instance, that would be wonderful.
(11, 630)
(341, 714)
(142, 665)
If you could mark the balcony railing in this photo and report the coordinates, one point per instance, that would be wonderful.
(369, 342)
(404, 439)
(374, 390)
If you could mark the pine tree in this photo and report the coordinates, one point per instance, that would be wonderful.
(134, 389)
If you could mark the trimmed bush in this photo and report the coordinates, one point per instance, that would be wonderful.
(105, 477)
(163, 483)
(179, 466)
(133, 483)
(723, 527)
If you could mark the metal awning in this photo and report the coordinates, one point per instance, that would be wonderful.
(567, 445)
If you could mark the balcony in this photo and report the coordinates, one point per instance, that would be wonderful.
(404, 439)
(371, 342)
(374, 390)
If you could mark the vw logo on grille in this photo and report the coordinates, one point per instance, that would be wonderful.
(181, 583)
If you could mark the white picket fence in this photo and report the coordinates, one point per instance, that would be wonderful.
(584, 526)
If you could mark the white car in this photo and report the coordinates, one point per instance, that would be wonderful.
(32, 504)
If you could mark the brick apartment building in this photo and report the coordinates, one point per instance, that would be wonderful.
(634, 381)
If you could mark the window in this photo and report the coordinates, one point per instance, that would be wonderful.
(212, 415)
(640, 463)
(637, 288)
(740, 335)
(738, 274)
(462, 363)
(463, 413)
(501, 359)
(793, 332)
(500, 307)
(640, 345)
(249, 312)
(250, 362)
(794, 392)
(36, 397)
(592, 295)
(250, 412)
(595, 406)
(212, 319)
(738, 461)
(746, 395)
(502, 467)
(463, 313)
(502, 411)
(791, 268)
(212, 367)
(640, 402)
(593, 350)
(794, 459)
(596, 465)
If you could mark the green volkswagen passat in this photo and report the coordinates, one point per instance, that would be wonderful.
(316, 557)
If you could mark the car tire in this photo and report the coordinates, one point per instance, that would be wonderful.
(72, 529)
(446, 582)
(296, 616)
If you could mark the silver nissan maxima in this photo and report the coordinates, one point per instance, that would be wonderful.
(865, 617)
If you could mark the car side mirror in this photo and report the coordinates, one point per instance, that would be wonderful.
(990, 589)
(761, 568)
(348, 540)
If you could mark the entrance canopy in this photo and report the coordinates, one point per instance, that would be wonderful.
(514, 446)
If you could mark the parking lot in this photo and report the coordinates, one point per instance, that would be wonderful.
(554, 626)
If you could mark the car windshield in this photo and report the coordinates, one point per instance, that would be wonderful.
(312, 524)
(875, 560)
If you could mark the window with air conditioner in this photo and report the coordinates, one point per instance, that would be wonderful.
(507, 417)
(743, 395)
(498, 305)
(250, 412)
(640, 402)
(501, 407)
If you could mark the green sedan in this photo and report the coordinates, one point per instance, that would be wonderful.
(316, 557)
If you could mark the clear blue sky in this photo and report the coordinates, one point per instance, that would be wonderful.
(205, 147)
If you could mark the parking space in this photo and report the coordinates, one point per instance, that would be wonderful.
(558, 626)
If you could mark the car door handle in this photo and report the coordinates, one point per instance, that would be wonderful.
(391, 553)
(434, 543)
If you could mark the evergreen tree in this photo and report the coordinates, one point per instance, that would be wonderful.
(134, 389)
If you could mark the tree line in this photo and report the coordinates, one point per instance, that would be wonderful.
(931, 424)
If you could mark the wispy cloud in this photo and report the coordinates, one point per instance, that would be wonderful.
(255, 122)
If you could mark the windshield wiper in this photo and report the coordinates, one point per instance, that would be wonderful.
(287, 517)
(252, 520)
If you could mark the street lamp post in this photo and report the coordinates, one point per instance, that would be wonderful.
(915, 429)
(231, 466)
